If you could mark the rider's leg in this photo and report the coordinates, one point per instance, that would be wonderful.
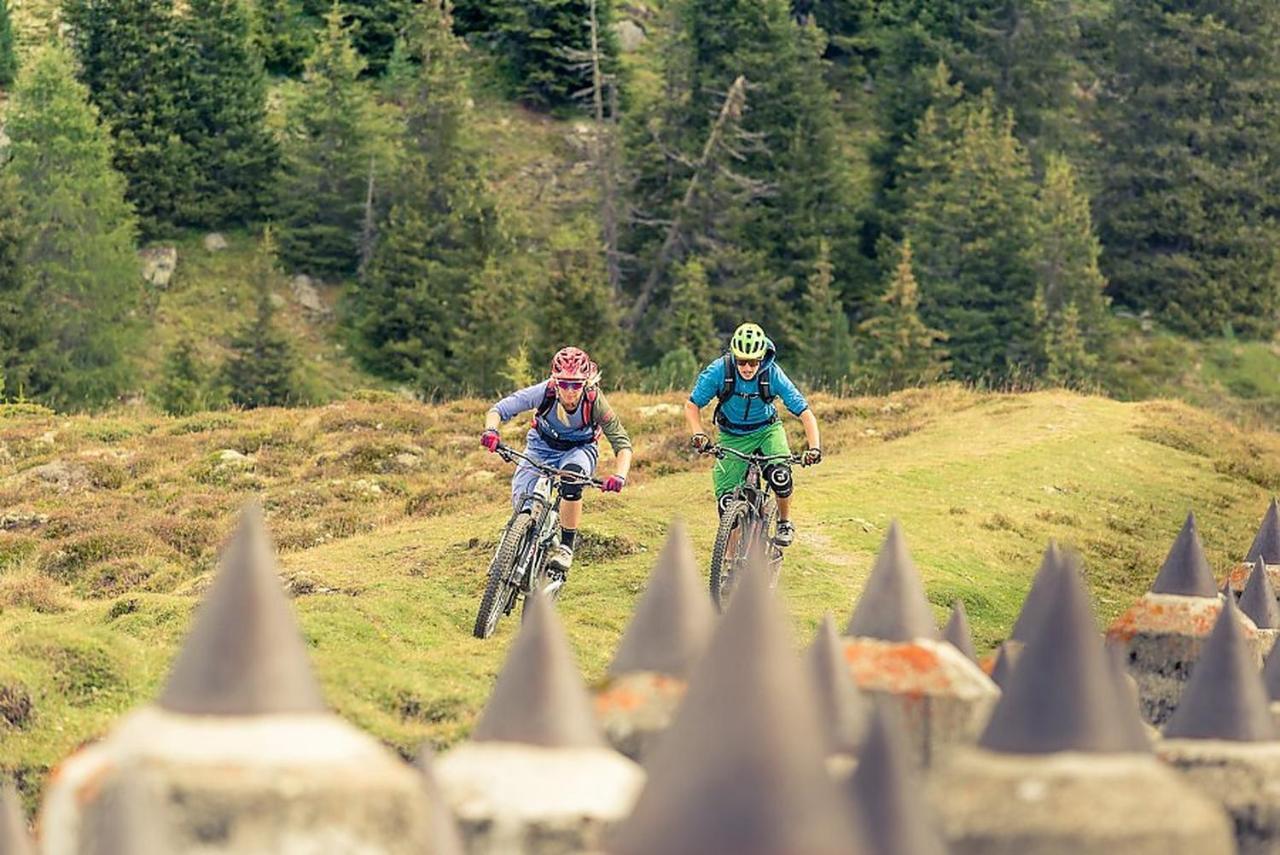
(522, 484)
(583, 462)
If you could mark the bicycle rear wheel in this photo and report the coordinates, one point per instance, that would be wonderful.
(730, 551)
(767, 529)
(501, 588)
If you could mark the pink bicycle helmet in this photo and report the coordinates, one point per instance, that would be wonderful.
(572, 363)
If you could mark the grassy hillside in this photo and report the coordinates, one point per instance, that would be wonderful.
(385, 513)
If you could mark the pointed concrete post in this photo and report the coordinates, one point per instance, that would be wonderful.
(537, 775)
(957, 631)
(1223, 740)
(886, 792)
(1271, 681)
(240, 741)
(844, 710)
(665, 639)
(1258, 602)
(1006, 658)
(740, 769)
(14, 839)
(894, 651)
(1039, 600)
(1265, 545)
(446, 839)
(1162, 634)
(1063, 765)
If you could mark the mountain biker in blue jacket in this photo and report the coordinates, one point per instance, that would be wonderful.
(746, 381)
(571, 414)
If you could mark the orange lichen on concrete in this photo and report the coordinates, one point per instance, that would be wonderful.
(900, 668)
(1163, 614)
(636, 691)
(1238, 575)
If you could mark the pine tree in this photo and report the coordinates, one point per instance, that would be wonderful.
(8, 55)
(260, 370)
(494, 318)
(1068, 361)
(223, 116)
(129, 59)
(973, 228)
(1190, 135)
(82, 278)
(181, 389)
(282, 36)
(688, 321)
(326, 161)
(899, 349)
(443, 226)
(1066, 253)
(823, 344)
(545, 45)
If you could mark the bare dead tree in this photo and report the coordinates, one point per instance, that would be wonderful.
(730, 111)
(605, 157)
(368, 227)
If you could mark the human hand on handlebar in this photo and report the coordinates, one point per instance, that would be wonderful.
(700, 442)
(613, 484)
(811, 457)
(489, 439)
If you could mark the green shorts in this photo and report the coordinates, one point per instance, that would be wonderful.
(729, 471)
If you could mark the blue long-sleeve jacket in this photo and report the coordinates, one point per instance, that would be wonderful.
(744, 412)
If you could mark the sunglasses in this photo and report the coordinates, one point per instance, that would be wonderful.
(570, 385)
(749, 363)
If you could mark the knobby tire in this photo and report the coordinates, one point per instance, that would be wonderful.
(736, 518)
(500, 589)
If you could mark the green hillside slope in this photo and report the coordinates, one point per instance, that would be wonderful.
(386, 512)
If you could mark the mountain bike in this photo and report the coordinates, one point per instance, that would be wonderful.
(747, 523)
(519, 565)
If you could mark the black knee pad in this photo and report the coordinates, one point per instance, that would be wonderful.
(722, 504)
(570, 490)
(779, 478)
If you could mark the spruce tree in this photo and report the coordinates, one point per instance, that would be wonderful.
(223, 116)
(899, 350)
(260, 370)
(82, 278)
(8, 54)
(17, 309)
(493, 322)
(181, 389)
(442, 229)
(973, 228)
(688, 320)
(326, 161)
(377, 24)
(782, 154)
(1066, 253)
(129, 59)
(823, 345)
(575, 306)
(546, 45)
(1190, 135)
(282, 35)
(1067, 359)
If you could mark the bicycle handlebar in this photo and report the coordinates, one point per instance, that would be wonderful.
(508, 454)
(719, 451)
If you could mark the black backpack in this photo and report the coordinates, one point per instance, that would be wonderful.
(729, 383)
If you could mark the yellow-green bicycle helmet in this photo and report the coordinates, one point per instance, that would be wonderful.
(749, 342)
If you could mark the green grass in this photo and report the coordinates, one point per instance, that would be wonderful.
(386, 587)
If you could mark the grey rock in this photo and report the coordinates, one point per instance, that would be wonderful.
(539, 698)
(158, 265)
(631, 36)
(245, 655)
(740, 769)
(62, 475)
(308, 297)
(1225, 698)
(215, 242)
(1185, 571)
(893, 605)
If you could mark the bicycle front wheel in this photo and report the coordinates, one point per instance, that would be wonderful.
(501, 588)
(729, 554)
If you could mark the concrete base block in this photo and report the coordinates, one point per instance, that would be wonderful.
(1160, 637)
(635, 710)
(1238, 577)
(944, 697)
(511, 797)
(284, 784)
(1244, 777)
(1084, 804)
